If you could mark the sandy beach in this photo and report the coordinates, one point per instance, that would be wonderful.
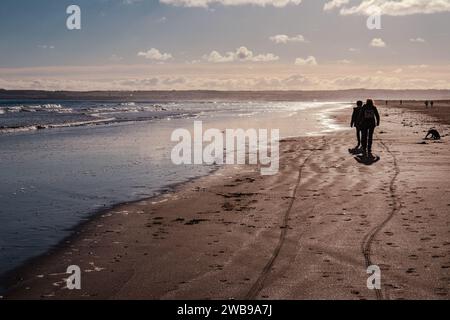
(307, 233)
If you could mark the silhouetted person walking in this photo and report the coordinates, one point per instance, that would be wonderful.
(426, 104)
(431, 104)
(355, 122)
(369, 119)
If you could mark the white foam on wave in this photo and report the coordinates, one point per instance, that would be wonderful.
(129, 107)
(18, 129)
(57, 125)
(37, 108)
(80, 123)
(14, 109)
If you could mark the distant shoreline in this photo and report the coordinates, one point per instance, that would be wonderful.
(210, 95)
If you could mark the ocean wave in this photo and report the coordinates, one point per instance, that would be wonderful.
(36, 108)
(20, 118)
(56, 125)
(128, 107)
(95, 111)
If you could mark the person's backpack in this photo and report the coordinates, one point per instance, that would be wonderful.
(369, 113)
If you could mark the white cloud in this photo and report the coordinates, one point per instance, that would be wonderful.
(419, 40)
(383, 82)
(216, 57)
(223, 77)
(206, 3)
(195, 61)
(334, 4)
(298, 80)
(138, 83)
(173, 81)
(46, 46)
(161, 20)
(378, 43)
(419, 66)
(268, 57)
(131, 1)
(241, 54)
(230, 82)
(391, 7)
(115, 58)
(155, 54)
(309, 61)
(283, 39)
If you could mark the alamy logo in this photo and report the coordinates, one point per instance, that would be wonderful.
(73, 22)
(74, 280)
(374, 280)
(262, 149)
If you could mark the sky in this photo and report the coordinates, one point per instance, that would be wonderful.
(225, 45)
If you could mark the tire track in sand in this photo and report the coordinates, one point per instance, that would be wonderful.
(259, 283)
(366, 244)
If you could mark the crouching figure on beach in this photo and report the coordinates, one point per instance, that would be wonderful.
(369, 119)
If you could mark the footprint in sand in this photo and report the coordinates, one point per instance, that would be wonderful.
(355, 292)
(228, 206)
(195, 221)
(441, 291)
(411, 270)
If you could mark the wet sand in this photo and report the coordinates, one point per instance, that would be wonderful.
(307, 233)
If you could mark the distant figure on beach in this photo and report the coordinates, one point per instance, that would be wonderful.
(387, 102)
(369, 118)
(434, 134)
(426, 104)
(355, 123)
(431, 104)
(401, 102)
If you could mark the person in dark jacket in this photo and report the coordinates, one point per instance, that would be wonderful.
(355, 122)
(369, 119)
